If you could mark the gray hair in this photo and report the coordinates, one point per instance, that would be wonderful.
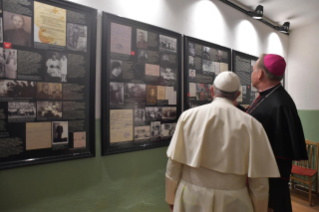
(228, 95)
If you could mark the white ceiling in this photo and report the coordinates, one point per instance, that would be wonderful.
(298, 12)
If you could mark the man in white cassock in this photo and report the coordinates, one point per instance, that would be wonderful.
(214, 148)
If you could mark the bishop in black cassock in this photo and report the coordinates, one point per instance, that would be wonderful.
(276, 111)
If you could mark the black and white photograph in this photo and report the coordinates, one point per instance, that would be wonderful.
(116, 93)
(142, 133)
(56, 67)
(15, 88)
(208, 67)
(168, 129)
(139, 112)
(46, 90)
(60, 132)
(169, 113)
(49, 109)
(2, 64)
(168, 74)
(142, 56)
(1, 30)
(206, 52)
(11, 64)
(134, 92)
(153, 113)
(191, 63)
(191, 49)
(168, 44)
(17, 29)
(21, 111)
(155, 129)
(116, 69)
(141, 39)
(192, 74)
(165, 63)
(76, 37)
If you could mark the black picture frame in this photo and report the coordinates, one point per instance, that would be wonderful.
(71, 151)
(202, 78)
(108, 19)
(248, 93)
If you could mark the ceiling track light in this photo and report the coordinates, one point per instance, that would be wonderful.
(258, 14)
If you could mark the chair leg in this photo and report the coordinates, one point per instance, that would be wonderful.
(310, 191)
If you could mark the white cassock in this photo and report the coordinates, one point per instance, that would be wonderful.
(213, 150)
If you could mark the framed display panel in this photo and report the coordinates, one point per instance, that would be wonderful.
(47, 82)
(141, 80)
(243, 67)
(203, 61)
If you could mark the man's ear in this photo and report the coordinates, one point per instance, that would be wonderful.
(212, 90)
(260, 74)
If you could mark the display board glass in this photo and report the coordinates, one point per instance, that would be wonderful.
(47, 81)
(141, 79)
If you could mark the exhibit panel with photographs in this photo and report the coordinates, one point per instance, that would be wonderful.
(141, 79)
(203, 61)
(243, 66)
(47, 82)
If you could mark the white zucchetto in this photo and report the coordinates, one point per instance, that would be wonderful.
(227, 81)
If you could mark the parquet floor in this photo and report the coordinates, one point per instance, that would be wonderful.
(299, 201)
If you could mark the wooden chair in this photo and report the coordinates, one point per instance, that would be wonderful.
(304, 168)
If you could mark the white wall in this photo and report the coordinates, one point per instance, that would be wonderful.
(303, 66)
(209, 20)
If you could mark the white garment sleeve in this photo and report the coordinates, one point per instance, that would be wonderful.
(259, 192)
(173, 174)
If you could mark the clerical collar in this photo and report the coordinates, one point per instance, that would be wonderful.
(268, 90)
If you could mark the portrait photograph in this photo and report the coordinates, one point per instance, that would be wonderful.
(191, 63)
(203, 92)
(165, 62)
(60, 132)
(76, 37)
(192, 73)
(116, 69)
(134, 92)
(151, 94)
(11, 63)
(141, 39)
(206, 52)
(153, 113)
(116, 93)
(167, 129)
(168, 44)
(56, 67)
(142, 56)
(21, 111)
(17, 29)
(15, 88)
(139, 112)
(46, 90)
(191, 49)
(49, 109)
(155, 129)
(208, 67)
(142, 133)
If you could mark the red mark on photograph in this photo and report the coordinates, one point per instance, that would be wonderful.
(248, 86)
(188, 94)
(132, 53)
(6, 45)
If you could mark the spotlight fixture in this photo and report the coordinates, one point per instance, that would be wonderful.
(258, 13)
(284, 28)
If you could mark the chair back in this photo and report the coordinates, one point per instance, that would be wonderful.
(310, 149)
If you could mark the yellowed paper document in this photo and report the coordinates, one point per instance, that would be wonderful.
(161, 92)
(121, 125)
(79, 139)
(121, 39)
(223, 67)
(152, 70)
(38, 135)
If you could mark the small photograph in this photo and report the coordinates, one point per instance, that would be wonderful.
(168, 74)
(49, 109)
(76, 37)
(135, 92)
(57, 67)
(142, 56)
(165, 63)
(153, 113)
(208, 67)
(14, 88)
(11, 63)
(1, 28)
(191, 49)
(116, 93)
(142, 133)
(206, 52)
(168, 129)
(21, 110)
(17, 29)
(155, 129)
(2, 64)
(168, 44)
(46, 90)
(191, 63)
(116, 69)
(169, 113)
(151, 94)
(203, 92)
(141, 39)
(222, 56)
(192, 73)
(60, 132)
(139, 112)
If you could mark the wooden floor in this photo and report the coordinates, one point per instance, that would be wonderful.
(300, 202)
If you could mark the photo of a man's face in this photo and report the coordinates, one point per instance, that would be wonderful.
(17, 21)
